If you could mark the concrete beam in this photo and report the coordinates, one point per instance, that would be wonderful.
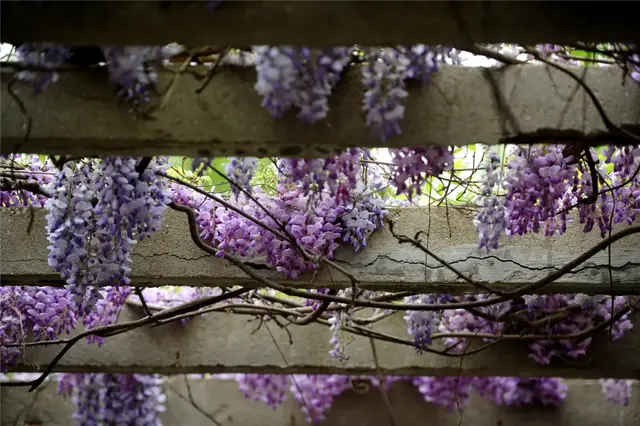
(584, 406)
(305, 23)
(171, 258)
(80, 116)
(223, 343)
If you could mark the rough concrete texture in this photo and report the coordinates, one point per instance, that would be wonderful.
(80, 116)
(170, 257)
(305, 23)
(584, 406)
(227, 343)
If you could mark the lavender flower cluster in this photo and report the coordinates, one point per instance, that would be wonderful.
(412, 167)
(316, 231)
(132, 70)
(98, 211)
(421, 324)
(582, 313)
(516, 391)
(384, 75)
(317, 221)
(114, 399)
(40, 61)
(539, 181)
(315, 393)
(363, 215)
(491, 220)
(291, 77)
(543, 184)
(595, 310)
(48, 313)
(616, 391)
(338, 174)
(27, 169)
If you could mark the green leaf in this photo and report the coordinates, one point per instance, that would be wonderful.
(181, 163)
(266, 177)
(427, 189)
(458, 150)
(583, 54)
(205, 181)
(609, 168)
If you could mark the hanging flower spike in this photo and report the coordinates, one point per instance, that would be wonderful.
(277, 76)
(114, 399)
(491, 220)
(131, 70)
(41, 56)
(317, 79)
(422, 61)
(616, 391)
(383, 76)
(413, 166)
(337, 174)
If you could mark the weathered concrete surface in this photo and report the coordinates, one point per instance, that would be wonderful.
(80, 116)
(170, 257)
(227, 343)
(306, 23)
(584, 406)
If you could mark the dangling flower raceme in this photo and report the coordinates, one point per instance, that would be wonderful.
(131, 70)
(491, 220)
(616, 391)
(114, 399)
(98, 211)
(413, 166)
(40, 57)
(290, 76)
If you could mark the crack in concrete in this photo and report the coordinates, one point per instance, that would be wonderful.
(490, 257)
(24, 260)
(177, 256)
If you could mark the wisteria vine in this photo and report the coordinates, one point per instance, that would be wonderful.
(98, 209)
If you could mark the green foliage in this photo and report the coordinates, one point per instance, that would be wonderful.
(266, 177)
(588, 56)
(213, 182)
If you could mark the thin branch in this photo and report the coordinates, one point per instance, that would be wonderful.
(143, 164)
(33, 187)
(213, 70)
(145, 307)
(191, 401)
(404, 240)
(315, 314)
(381, 383)
(195, 236)
(293, 379)
(590, 93)
(115, 329)
(315, 258)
